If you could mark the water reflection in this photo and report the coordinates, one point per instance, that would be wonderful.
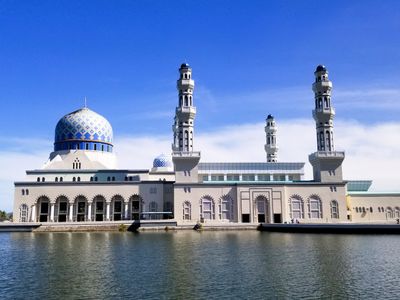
(197, 265)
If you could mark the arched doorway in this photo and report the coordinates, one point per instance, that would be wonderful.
(80, 208)
(44, 209)
(117, 206)
(99, 211)
(61, 209)
(135, 207)
(262, 209)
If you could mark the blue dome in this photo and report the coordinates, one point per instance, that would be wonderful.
(83, 129)
(161, 161)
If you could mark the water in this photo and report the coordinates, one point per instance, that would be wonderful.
(198, 265)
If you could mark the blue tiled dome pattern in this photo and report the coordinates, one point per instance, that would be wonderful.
(83, 129)
(84, 124)
(161, 161)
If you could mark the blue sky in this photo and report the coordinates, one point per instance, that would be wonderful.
(249, 59)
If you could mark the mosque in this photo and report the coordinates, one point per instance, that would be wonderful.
(80, 181)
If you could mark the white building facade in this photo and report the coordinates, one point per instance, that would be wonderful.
(80, 183)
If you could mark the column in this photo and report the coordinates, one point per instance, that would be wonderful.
(89, 215)
(126, 211)
(33, 216)
(52, 212)
(108, 211)
(71, 211)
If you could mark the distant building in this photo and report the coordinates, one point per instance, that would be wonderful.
(80, 183)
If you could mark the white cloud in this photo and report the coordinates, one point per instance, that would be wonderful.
(371, 151)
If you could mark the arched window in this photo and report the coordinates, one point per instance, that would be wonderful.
(207, 208)
(108, 178)
(113, 178)
(296, 204)
(314, 207)
(356, 209)
(95, 178)
(38, 179)
(87, 146)
(23, 192)
(43, 179)
(61, 179)
(91, 178)
(23, 213)
(79, 179)
(225, 208)
(262, 209)
(73, 179)
(187, 210)
(102, 147)
(27, 192)
(186, 101)
(95, 147)
(389, 213)
(56, 179)
(397, 212)
(334, 209)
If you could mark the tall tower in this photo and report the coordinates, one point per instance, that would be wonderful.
(323, 113)
(184, 157)
(326, 162)
(270, 134)
(185, 112)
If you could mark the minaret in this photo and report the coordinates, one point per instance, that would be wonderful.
(184, 157)
(323, 113)
(185, 112)
(270, 147)
(326, 162)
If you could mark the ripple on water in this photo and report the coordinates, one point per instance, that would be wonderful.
(198, 265)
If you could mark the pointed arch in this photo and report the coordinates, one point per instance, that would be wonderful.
(207, 208)
(296, 207)
(314, 204)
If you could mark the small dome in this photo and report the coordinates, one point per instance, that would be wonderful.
(270, 117)
(162, 161)
(83, 129)
(185, 66)
(320, 68)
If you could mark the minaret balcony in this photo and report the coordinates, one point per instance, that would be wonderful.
(185, 83)
(186, 111)
(322, 86)
(323, 114)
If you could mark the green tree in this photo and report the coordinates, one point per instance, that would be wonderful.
(3, 215)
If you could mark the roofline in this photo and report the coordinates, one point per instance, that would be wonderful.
(69, 183)
(77, 171)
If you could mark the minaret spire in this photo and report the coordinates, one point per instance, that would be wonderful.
(184, 157)
(185, 112)
(326, 162)
(323, 113)
(270, 134)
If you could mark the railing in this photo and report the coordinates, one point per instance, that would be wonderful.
(329, 154)
(186, 153)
